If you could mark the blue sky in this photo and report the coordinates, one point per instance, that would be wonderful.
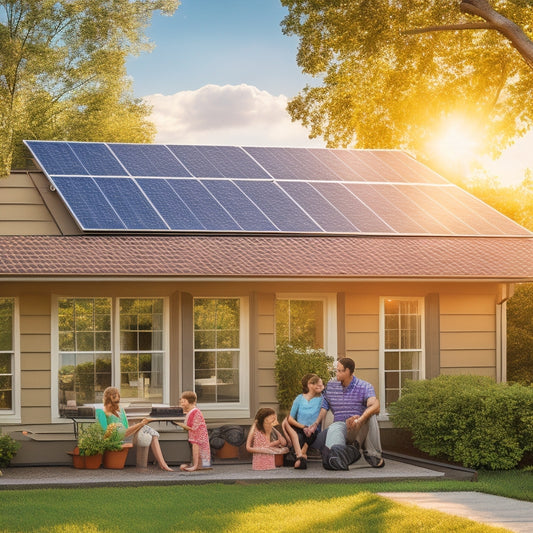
(219, 42)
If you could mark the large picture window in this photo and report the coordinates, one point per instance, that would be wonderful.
(402, 345)
(93, 355)
(7, 356)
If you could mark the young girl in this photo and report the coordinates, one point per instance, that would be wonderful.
(263, 441)
(198, 436)
(301, 425)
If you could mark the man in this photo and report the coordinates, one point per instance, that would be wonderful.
(354, 405)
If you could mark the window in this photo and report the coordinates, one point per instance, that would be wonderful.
(402, 354)
(7, 356)
(221, 355)
(84, 334)
(307, 320)
(92, 356)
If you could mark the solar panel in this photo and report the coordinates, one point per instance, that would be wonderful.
(87, 203)
(200, 188)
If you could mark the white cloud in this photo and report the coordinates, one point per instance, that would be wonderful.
(226, 115)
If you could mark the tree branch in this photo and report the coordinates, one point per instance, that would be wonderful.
(452, 27)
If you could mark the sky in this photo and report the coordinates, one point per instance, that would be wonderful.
(222, 72)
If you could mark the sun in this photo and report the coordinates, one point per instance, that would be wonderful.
(455, 143)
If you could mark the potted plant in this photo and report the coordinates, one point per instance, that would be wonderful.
(8, 449)
(91, 445)
(116, 450)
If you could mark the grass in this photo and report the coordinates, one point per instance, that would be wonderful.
(279, 507)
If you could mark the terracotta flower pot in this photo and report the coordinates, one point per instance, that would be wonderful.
(228, 451)
(116, 459)
(93, 462)
(78, 461)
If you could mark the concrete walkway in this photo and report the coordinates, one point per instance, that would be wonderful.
(493, 510)
(514, 515)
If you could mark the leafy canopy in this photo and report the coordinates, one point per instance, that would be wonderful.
(381, 86)
(63, 75)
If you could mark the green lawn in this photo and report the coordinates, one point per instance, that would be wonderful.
(269, 507)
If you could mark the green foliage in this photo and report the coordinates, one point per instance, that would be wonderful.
(91, 439)
(379, 86)
(114, 437)
(520, 335)
(63, 72)
(292, 363)
(8, 449)
(470, 419)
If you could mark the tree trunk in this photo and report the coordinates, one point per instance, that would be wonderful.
(510, 30)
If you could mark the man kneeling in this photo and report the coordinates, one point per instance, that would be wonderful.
(355, 428)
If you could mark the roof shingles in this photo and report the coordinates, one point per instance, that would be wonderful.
(506, 258)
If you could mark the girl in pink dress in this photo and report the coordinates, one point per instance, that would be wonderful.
(264, 442)
(198, 436)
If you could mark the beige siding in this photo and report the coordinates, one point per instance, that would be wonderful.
(468, 334)
(266, 356)
(362, 335)
(35, 335)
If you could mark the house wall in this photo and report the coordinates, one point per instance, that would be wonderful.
(466, 332)
(26, 206)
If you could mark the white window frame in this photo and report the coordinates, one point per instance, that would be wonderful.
(329, 300)
(115, 346)
(422, 356)
(14, 416)
(239, 409)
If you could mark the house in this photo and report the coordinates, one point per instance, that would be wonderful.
(164, 268)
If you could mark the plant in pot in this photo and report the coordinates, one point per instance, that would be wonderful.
(116, 450)
(91, 445)
(8, 450)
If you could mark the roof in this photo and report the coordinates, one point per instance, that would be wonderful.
(235, 256)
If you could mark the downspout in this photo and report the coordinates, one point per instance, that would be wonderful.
(501, 332)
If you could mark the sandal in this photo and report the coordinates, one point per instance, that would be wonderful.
(375, 462)
(302, 465)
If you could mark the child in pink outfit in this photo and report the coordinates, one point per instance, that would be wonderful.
(198, 436)
(264, 442)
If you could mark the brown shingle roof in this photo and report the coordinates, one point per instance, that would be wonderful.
(506, 258)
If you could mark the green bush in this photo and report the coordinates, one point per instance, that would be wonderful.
(470, 419)
(8, 449)
(292, 363)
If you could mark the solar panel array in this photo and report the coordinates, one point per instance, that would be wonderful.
(182, 188)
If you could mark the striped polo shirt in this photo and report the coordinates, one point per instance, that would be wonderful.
(345, 402)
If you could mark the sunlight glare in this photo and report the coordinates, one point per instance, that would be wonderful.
(455, 144)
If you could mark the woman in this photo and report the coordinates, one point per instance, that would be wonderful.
(301, 425)
(114, 414)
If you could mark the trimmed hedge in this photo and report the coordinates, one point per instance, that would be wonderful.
(470, 419)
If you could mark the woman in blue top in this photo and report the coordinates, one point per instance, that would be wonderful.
(301, 425)
(112, 413)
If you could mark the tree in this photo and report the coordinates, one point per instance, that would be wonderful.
(520, 335)
(389, 77)
(62, 71)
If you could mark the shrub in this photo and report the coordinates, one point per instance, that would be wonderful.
(470, 419)
(8, 449)
(292, 363)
